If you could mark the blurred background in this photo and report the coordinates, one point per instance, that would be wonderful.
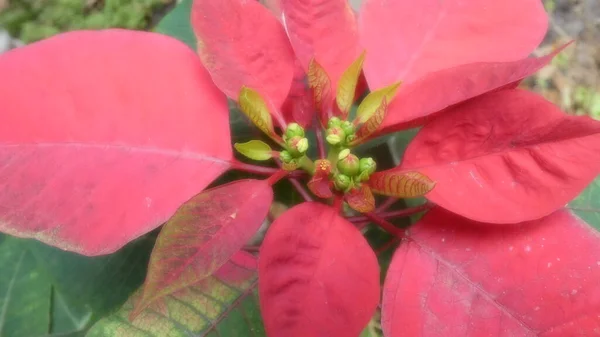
(571, 81)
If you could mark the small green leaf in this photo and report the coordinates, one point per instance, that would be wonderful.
(372, 102)
(255, 150)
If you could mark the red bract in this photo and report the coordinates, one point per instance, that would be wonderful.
(456, 277)
(100, 142)
(516, 153)
(124, 127)
(317, 275)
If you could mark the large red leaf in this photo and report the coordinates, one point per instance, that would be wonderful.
(324, 30)
(242, 44)
(103, 135)
(317, 275)
(408, 39)
(455, 277)
(417, 101)
(512, 152)
(203, 234)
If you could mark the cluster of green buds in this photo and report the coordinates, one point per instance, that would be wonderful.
(352, 170)
(296, 146)
(340, 133)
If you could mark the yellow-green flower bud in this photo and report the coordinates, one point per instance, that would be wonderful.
(293, 130)
(363, 176)
(342, 182)
(285, 156)
(297, 146)
(348, 163)
(333, 122)
(348, 128)
(302, 145)
(367, 165)
(343, 154)
(335, 135)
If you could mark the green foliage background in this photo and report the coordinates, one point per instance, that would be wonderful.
(33, 20)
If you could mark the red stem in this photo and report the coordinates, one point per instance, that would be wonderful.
(391, 214)
(386, 204)
(338, 202)
(262, 170)
(386, 246)
(385, 225)
(238, 165)
(277, 176)
(301, 190)
(320, 142)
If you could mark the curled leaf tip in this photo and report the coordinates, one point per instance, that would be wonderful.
(361, 199)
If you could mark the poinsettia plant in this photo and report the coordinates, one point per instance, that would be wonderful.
(107, 135)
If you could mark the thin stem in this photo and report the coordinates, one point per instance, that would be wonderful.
(385, 225)
(263, 170)
(307, 165)
(301, 190)
(251, 249)
(272, 180)
(338, 202)
(387, 245)
(320, 141)
(386, 204)
(391, 214)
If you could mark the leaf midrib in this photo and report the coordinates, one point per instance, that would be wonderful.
(127, 148)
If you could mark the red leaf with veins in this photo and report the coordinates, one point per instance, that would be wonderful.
(242, 44)
(456, 277)
(317, 275)
(203, 234)
(514, 152)
(103, 135)
(408, 39)
(416, 102)
(324, 30)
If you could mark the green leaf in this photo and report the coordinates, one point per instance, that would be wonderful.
(373, 100)
(587, 204)
(255, 150)
(177, 23)
(25, 295)
(48, 292)
(225, 304)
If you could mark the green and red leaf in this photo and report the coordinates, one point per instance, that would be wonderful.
(103, 135)
(317, 275)
(361, 199)
(514, 152)
(406, 184)
(347, 86)
(242, 44)
(409, 39)
(203, 235)
(224, 304)
(457, 277)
